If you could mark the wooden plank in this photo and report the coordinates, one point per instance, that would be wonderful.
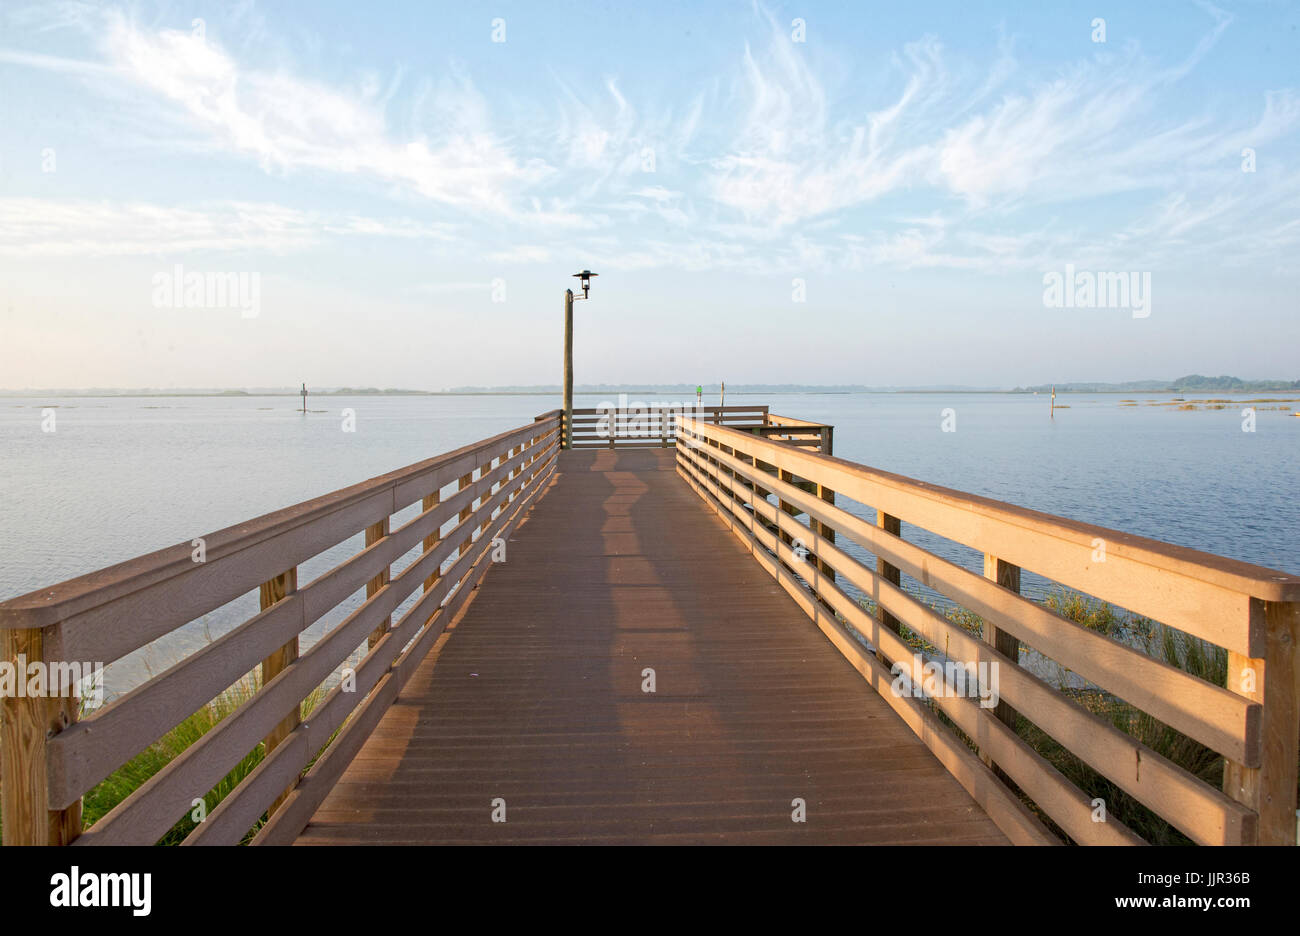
(109, 631)
(774, 419)
(244, 806)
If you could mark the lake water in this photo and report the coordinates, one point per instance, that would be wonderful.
(121, 476)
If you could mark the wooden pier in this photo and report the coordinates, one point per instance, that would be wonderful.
(655, 627)
(538, 697)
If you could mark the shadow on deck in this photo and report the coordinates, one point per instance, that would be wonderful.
(535, 697)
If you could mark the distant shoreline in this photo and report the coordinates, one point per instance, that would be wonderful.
(182, 394)
(1190, 383)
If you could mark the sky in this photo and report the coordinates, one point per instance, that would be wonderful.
(810, 193)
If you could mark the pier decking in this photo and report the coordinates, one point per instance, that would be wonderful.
(537, 698)
(661, 625)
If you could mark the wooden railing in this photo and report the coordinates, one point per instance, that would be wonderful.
(1252, 612)
(816, 436)
(649, 425)
(654, 425)
(467, 498)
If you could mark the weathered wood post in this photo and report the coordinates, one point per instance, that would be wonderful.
(826, 494)
(888, 571)
(273, 591)
(466, 512)
(1274, 681)
(789, 508)
(1008, 576)
(431, 501)
(510, 476)
(26, 725)
(374, 533)
(567, 440)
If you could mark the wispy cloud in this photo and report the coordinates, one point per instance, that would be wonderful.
(38, 227)
(781, 161)
(56, 63)
(290, 123)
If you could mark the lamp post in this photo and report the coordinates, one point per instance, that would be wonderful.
(585, 278)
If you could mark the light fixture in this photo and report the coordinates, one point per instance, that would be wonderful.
(585, 276)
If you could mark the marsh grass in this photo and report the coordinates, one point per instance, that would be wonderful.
(128, 778)
(1175, 648)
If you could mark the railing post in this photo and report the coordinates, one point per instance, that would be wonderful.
(26, 725)
(374, 533)
(511, 474)
(466, 512)
(273, 591)
(731, 476)
(761, 492)
(782, 535)
(431, 501)
(492, 489)
(890, 573)
(1008, 576)
(1273, 681)
(826, 494)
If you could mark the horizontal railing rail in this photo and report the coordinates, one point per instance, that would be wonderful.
(762, 488)
(467, 499)
(650, 424)
(810, 435)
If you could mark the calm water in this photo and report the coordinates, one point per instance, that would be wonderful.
(124, 476)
